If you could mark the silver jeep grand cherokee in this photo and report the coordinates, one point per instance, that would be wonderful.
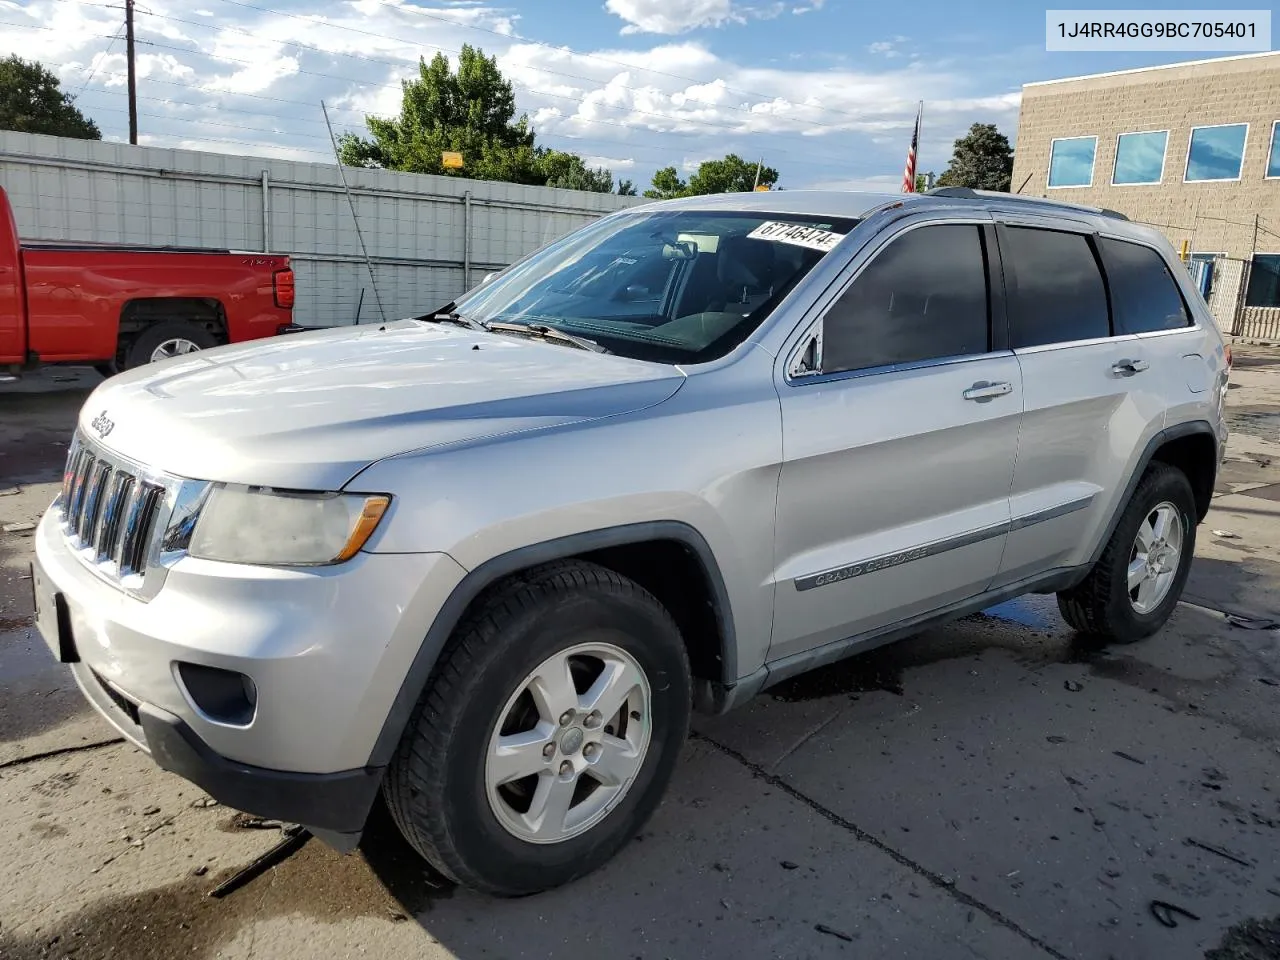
(486, 561)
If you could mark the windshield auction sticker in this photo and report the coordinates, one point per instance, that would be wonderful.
(797, 234)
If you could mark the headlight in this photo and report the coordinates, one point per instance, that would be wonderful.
(269, 527)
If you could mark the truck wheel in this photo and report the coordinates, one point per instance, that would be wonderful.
(1132, 589)
(548, 733)
(169, 338)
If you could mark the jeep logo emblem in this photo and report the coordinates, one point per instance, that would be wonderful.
(102, 424)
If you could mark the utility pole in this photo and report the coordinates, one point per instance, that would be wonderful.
(133, 80)
(759, 164)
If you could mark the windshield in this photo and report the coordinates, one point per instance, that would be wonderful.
(679, 286)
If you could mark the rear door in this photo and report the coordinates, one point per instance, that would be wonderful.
(1095, 392)
(899, 433)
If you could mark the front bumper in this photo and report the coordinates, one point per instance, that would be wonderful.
(326, 648)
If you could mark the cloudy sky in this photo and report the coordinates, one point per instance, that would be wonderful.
(823, 90)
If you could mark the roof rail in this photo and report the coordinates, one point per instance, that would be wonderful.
(967, 193)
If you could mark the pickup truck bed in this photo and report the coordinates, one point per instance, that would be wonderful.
(119, 306)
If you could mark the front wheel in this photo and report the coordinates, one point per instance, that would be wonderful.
(1131, 591)
(548, 733)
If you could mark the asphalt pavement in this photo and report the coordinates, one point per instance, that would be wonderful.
(994, 788)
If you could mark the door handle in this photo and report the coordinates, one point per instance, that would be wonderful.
(1127, 368)
(984, 391)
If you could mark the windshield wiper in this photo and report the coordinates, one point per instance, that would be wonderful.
(546, 332)
(457, 319)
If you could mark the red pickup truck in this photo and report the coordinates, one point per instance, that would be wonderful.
(116, 307)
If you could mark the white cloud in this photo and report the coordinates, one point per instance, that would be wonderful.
(667, 17)
(881, 183)
(239, 83)
(809, 7)
(613, 164)
(263, 63)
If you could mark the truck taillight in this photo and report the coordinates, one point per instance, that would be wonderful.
(282, 285)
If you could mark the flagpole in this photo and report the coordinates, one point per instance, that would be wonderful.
(919, 130)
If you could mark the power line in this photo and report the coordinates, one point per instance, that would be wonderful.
(388, 86)
(570, 50)
(105, 54)
(415, 43)
(214, 123)
(677, 121)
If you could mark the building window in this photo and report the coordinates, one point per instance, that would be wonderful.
(1140, 158)
(1264, 281)
(1216, 153)
(1071, 162)
(1273, 162)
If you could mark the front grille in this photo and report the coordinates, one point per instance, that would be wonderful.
(110, 509)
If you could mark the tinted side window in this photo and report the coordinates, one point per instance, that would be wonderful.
(1143, 292)
(1057, 294)
(924, 296)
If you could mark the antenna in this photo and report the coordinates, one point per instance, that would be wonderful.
(373, 281)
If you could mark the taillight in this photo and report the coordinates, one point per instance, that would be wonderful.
(1227, 349)
(282, 286)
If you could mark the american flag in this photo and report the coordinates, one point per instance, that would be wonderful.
(909, 173)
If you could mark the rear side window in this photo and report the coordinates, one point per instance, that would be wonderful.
(923, 297)
(1056, 294)
(1144, 294)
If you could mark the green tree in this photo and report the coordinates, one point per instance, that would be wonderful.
(666, 185)
(626, 188)
(982, 160)
(570, 171)
(730, 175)
(32, 101)
(923, 181)
(472, 112)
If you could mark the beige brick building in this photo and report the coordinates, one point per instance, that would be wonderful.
(1191, 148)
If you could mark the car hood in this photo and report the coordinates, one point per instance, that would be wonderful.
(311, 410)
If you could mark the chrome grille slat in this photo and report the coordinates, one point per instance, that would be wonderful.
(138, 528)
(69, 474)
(78, 490)
(109, 530)
(95, 484)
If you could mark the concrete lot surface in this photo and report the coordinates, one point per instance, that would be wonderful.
(995, 788)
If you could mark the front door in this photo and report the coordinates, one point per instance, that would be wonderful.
(898, 449)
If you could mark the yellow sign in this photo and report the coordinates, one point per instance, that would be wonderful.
(763, 187)
(451, 160)
(1185, 252)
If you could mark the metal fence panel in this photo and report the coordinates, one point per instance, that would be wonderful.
(1227, 278)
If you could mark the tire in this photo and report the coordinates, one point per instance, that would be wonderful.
(440, 784)
(1103, 605)
(140, 351)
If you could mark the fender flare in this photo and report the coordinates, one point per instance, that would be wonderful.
(1175, 432)
(522, 558)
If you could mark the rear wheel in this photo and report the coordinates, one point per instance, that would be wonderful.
(548, 733)
(169, 338)
(1131, 591)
